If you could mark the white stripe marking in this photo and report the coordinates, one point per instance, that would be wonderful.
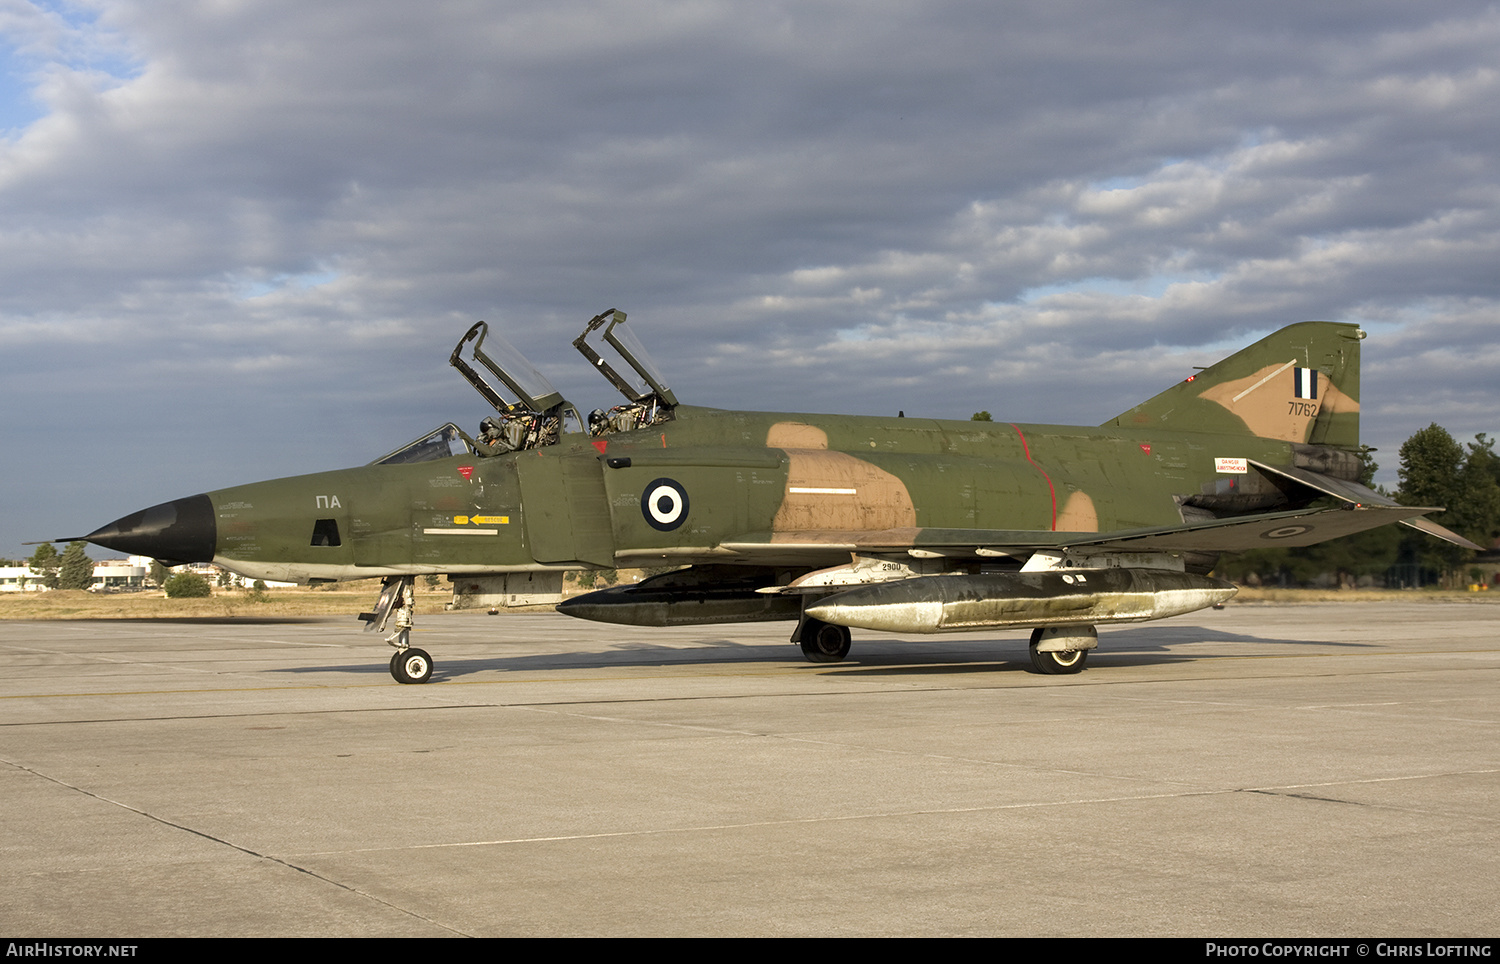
(1264, 380)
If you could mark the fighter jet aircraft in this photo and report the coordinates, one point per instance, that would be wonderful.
(830, 522)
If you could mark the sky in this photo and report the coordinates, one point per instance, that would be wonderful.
(239, 238)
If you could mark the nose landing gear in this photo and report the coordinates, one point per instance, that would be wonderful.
(411, 665)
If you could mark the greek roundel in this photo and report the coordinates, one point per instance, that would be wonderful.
(664, 504)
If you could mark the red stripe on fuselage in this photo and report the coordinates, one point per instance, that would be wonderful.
(1050, 490)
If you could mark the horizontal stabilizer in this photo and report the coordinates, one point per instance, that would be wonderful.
(1440, 532)
(1360, 495)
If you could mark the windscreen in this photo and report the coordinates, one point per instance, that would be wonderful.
(440, 443)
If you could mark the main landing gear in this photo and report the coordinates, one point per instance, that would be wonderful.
(822, 642)
(1059, 651)
(1055, 650)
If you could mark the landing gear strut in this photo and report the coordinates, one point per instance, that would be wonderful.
(822, 642)
(409, 665)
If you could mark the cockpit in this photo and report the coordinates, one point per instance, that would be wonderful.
(529, 411)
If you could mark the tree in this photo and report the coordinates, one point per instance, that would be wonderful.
(1430, 464)
(981, 417)
(1482, 455)
(1481, 489)
(76, 570)
(45, 563)
(188, 585)
(1437, 471)
(160, 573)
(1368, 468)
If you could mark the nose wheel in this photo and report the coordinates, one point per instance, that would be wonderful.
(411, 666)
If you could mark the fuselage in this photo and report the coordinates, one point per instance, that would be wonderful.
(693, 489)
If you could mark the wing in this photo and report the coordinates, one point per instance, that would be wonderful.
(1348, 508)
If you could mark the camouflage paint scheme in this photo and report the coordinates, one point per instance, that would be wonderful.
(806, 490)
(1261, 449)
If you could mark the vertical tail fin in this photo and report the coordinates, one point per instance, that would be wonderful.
(1300, 384)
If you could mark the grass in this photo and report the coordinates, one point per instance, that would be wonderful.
(345, 600)
(348, 599)
(1255, 594)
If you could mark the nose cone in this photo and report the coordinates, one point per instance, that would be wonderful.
(174, 532)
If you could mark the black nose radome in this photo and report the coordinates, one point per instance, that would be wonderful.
(174, 532)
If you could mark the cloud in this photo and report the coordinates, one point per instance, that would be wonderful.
(261, 213)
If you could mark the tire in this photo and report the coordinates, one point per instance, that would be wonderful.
(824, 642)
(412, 666)
(1065, 663)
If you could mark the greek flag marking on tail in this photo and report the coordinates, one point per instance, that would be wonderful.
(1306, 382)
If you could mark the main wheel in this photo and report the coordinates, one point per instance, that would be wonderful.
(412, 666)
(824, 642)
(1056, 664)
